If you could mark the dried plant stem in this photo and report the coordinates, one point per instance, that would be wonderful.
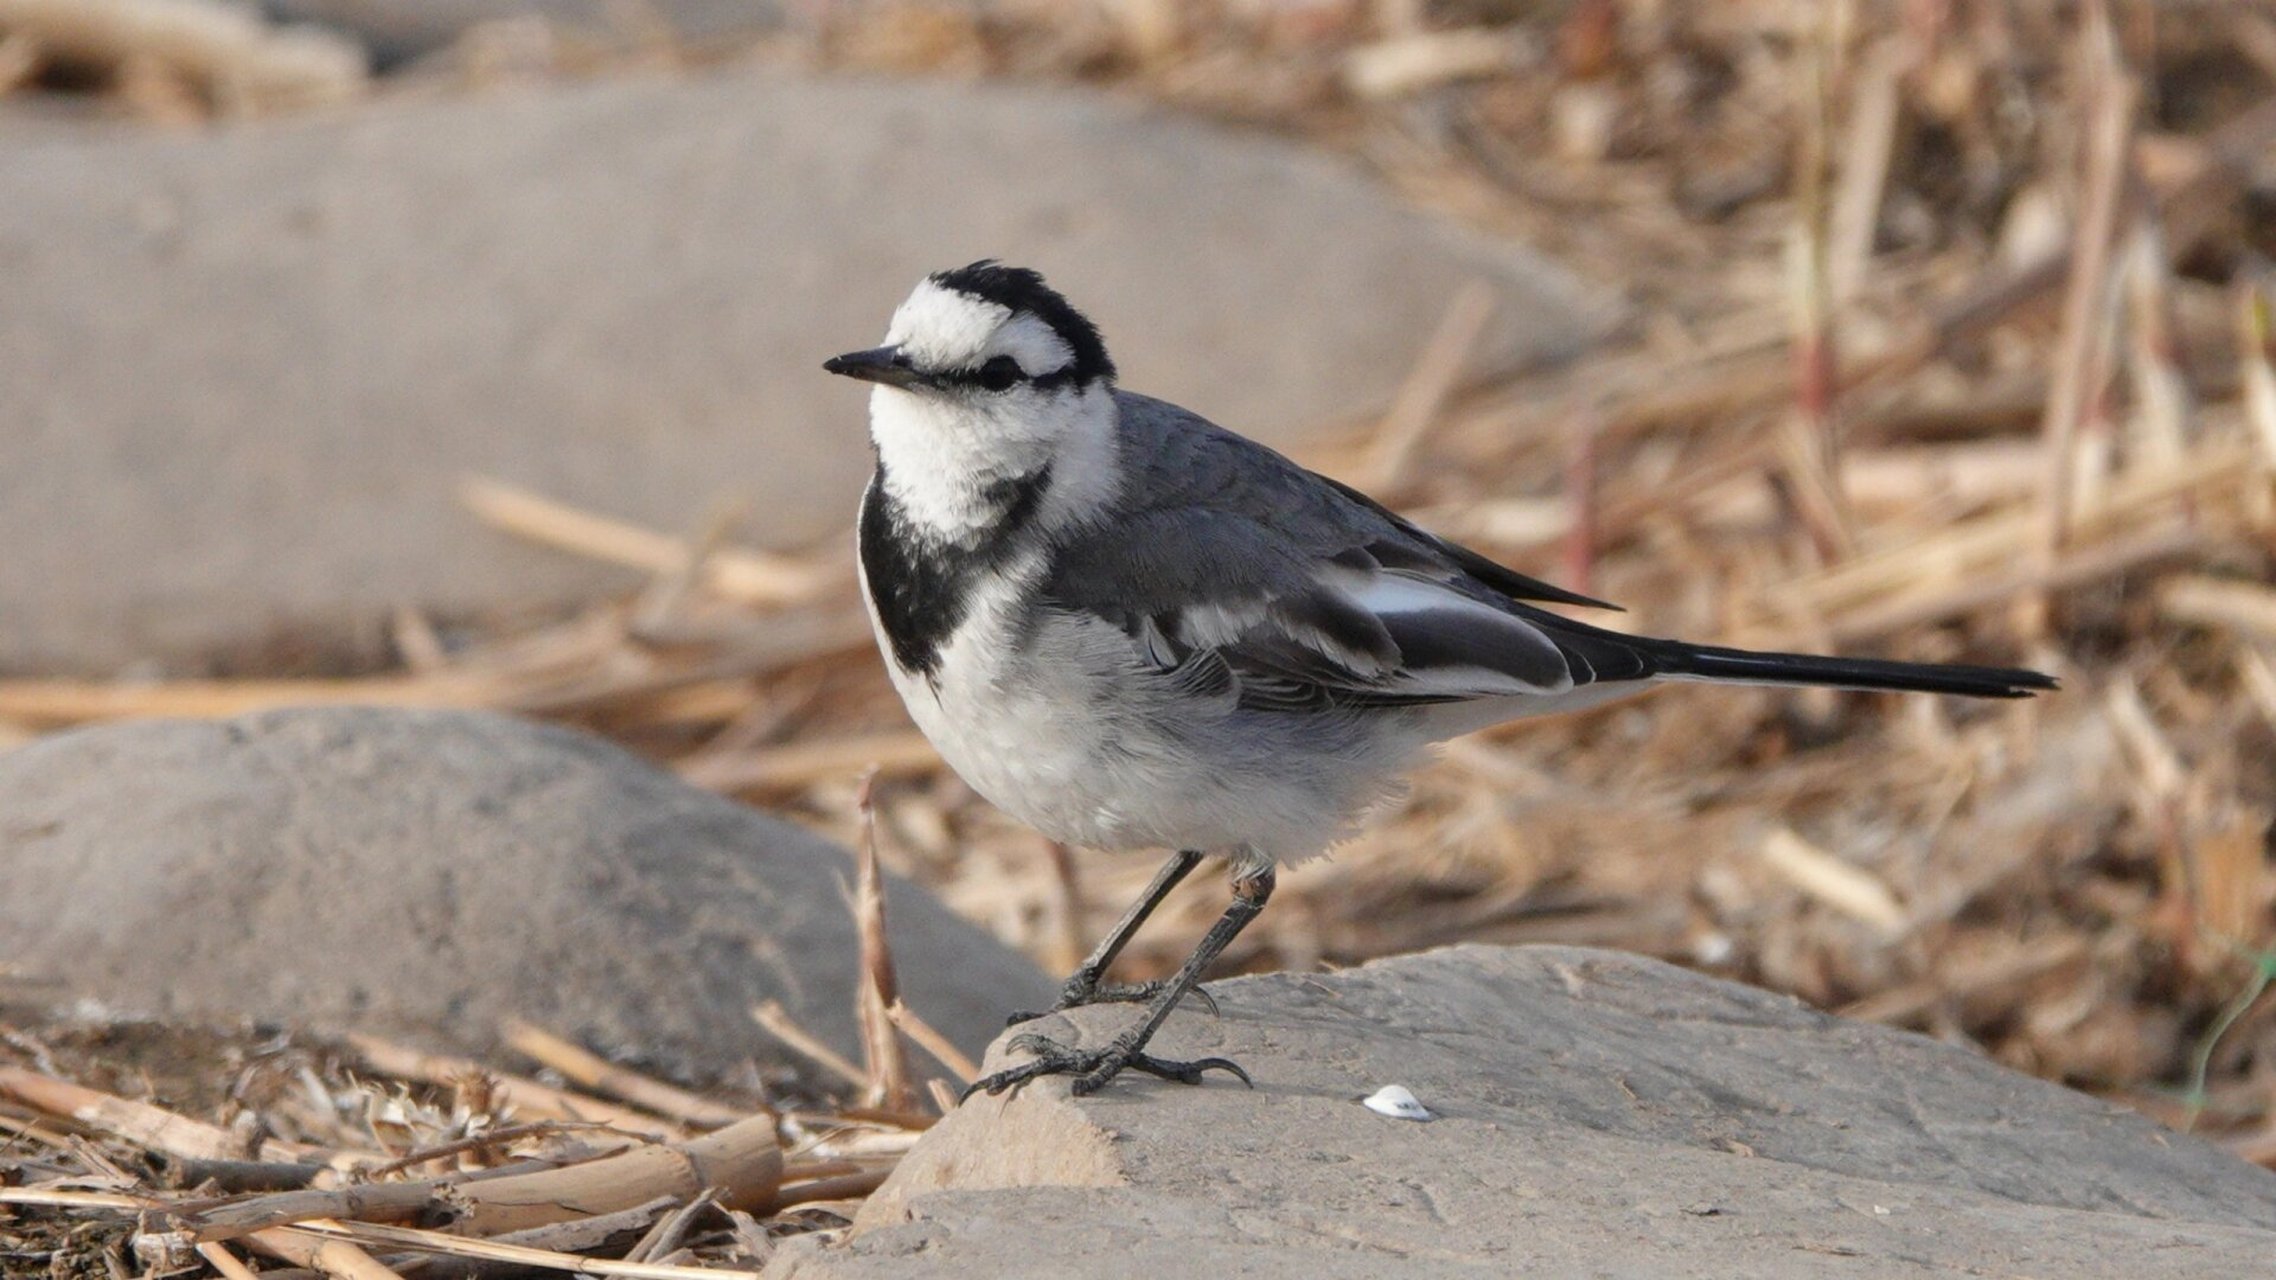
(518, 1092)
(337, 1258)
(141, 1123)
(778, 1022)
(218, 1256)
(2256, 357)
(436, 1242)
(591, 1071)
(74, 1199)
(20, 58)
(2073, 568)
(2109, 111)
(887, 1079)
(1583, 500)
(843, 1187)
(242, 63)
(2246, 607)
(741, 1163)
(753, 577)
(1810, 446)
(57, 702)
(1847, 888)
(803, 764)
(1434, 377)
(2217, 470)
(942, 1049)
(1865, 156)
(2163, 399)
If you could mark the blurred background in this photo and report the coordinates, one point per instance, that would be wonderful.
(464, 352)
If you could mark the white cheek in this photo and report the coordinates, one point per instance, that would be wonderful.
(1033, 343)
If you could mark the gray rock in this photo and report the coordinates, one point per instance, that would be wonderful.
(1600, 1115)
(428, 874)
(241, 371)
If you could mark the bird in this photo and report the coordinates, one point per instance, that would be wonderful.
(1131, 628)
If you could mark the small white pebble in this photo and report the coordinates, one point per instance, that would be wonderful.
(1395, 1101)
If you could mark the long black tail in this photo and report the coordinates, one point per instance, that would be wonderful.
(1709, 662)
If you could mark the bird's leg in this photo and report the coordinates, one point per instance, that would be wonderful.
(1083, 985)
(1092, 1068)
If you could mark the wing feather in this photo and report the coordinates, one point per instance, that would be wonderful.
(1229, 564)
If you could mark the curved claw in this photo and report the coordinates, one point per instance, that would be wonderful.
(1093, 1068)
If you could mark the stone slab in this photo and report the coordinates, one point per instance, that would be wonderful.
(242, 370)
(1599, 1115)
(427, 874)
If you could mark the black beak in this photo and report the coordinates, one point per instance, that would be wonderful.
(878, 364)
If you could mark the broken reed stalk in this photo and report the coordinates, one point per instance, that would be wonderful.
(1436, 373)
(777, 1020)
(591, 1071)
(1866, 155)
(737, 573)
(58, 1199)
(241, 63)
(225, 1263)
(142, 1124)
(20, 60)
(486, 1140)
(2247, 608)
(1844, 886)
(2108, 95)
(847, 1186)
(942, 1049)
(894, 754)
(59, 702)
(668, 591)
(2164, 404)
(742, 1163)
(666, 1233)
(438, 1243)
(2256, 357)
(1810, 444)
(2217, 471)
(570, 1238)
(1582, 493)
(2258, 675)
(340, 1259)
(518, 1092)
(2075, 567)
(1064, 933)
(887, 1078)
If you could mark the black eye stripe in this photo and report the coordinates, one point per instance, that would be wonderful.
(1009, 373)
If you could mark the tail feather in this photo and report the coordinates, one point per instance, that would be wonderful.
(1709, 662)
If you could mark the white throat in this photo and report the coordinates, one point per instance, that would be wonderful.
(943, 456)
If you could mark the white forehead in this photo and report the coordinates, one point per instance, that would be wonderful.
(942, 328)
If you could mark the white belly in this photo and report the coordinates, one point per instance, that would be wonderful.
(1065, 730)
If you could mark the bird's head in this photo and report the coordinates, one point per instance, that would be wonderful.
(986, 373)
(980, 333)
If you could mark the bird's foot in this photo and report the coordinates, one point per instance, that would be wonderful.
(1077, 994)
(1092, 1068)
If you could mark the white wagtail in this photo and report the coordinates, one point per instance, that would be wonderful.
(1129, 627)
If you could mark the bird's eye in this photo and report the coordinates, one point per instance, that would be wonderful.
(1000, 373)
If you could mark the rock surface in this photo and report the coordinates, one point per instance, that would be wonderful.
(427, 874)
(241, 371)
(1599, 1115)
